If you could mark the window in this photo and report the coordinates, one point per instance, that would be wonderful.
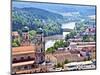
(26, 37)
(29, 57)
(14, 59)
(25, 67)
(32, 66)
(33, 58)
(22, 58)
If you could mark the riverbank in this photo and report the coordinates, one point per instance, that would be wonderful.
(54, 37)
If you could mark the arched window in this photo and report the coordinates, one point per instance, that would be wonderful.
(29, 57)
(14, 59)
(22, 58)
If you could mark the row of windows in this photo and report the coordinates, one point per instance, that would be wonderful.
(22, 59)
(25, 67)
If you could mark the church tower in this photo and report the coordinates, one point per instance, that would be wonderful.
(40, 46)
(25, 37)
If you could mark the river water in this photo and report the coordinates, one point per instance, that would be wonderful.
(50, 42)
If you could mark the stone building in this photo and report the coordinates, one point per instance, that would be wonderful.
(28, 56)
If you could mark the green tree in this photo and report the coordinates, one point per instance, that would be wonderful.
(66, 44)
(59, 65)
(66, 61)
(72, 33)
(50, 50)
(86, 38)
(56, 44)
(59, 43)
(32, 33)
(14, 44)
(67, 37)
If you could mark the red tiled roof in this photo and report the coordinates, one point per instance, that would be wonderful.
(23, 49)
(61, 57)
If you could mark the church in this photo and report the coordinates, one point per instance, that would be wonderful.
(27, 57)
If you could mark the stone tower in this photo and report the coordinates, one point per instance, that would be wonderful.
(25, 37)
(40, 46)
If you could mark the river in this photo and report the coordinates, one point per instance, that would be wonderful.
(50, 40)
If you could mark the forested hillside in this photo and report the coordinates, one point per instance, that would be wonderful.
(35, 18)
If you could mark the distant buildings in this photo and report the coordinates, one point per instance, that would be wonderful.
(62, 56)
(30, 56)
(89, 31)
(79, 66)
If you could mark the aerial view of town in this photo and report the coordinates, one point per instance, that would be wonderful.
(50, 37)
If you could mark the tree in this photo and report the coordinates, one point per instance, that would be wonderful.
(35, 18)
(79, 27)
(56, 44)
(55, 65)
(72, 33)
(59, 65)
(50, 50)
(17, 42)
(14, 44)
(67, 37)
(66, 44)
(86, 38)
(66, 61)
(32, 33)
(59, 44)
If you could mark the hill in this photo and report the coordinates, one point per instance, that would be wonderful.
(35, 18)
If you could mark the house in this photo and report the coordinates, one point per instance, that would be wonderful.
(89, 31)
(79, 65)
(61, 57)
(75, 39)
(15, 35)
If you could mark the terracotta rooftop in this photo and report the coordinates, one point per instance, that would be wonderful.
(23, 50)
(70, 57)
(61, 57)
